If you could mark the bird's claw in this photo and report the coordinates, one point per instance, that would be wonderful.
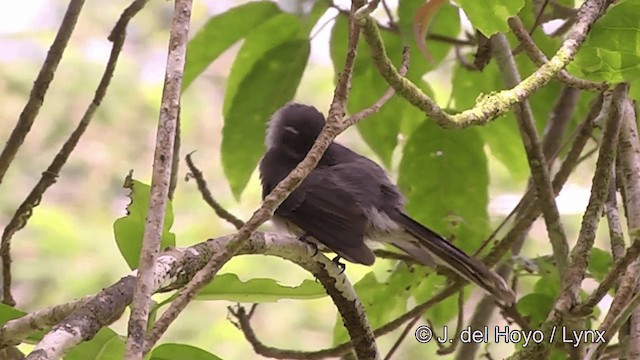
(341, 265)
(305, 239)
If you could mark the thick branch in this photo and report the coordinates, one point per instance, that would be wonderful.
(160, 178)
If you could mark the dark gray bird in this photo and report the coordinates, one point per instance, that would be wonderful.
(348, 199)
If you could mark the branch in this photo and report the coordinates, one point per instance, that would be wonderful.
(537, 162)
(490, 106)
(49, 176)
(206, 194)
(40, 87)
(540, 59)
(160, 179)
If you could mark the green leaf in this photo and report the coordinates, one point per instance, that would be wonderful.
(230, 287)
(490, 16)
(129, 230)
(600, 263)
(382, 301)
(611, 52)
(536, 307)
(444, 175)
(502, 135)
(222, 31)
(180, 352)
(106, 345)
(264, 76)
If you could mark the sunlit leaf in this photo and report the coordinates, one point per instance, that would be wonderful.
(611, 52)
(129, 230)
(490, 16)
(222, 31)
(230, 287)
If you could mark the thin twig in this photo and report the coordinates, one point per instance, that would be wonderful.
(206, 194)
(40, 87)
(49, 176)
(402, 336)
(160, 179)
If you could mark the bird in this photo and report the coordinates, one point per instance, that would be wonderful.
(348, 201)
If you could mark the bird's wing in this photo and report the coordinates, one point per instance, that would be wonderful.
(324, 209)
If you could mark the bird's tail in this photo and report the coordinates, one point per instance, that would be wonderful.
(445, 253)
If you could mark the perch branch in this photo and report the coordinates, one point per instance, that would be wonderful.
(172, 270)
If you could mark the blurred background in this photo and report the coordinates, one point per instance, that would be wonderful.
(67, 249)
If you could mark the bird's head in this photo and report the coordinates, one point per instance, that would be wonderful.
(294, 128)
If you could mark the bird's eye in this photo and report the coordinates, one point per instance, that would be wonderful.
(292, 130)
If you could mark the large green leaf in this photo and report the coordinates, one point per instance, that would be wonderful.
(129, 230)
(264, 76)
(180, 352)
(222, 31)
(612, 50)
(230, 287)
(444, 175)
(106, 345)
(490, 16)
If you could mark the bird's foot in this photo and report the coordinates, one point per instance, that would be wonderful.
(305, 239)
(341, 265)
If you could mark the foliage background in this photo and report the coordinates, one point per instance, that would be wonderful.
(68, 251)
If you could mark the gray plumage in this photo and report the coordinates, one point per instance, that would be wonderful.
(348, 199)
